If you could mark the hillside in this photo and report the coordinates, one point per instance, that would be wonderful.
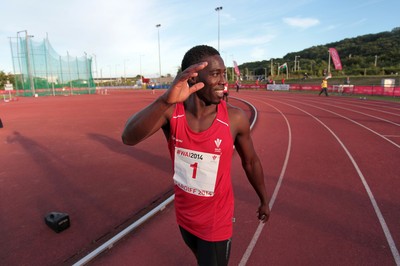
(371, 54)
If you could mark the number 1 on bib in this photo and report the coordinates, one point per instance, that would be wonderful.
(194, 166)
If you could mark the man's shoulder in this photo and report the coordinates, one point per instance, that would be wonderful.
(235, 113)
(232, 108)
(238, 120)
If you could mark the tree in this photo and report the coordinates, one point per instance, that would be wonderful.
(357, 54)
(3, 79)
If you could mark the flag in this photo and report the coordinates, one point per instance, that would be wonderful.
(284, 66)
(335, 58)
(145, 80)
(237, 71)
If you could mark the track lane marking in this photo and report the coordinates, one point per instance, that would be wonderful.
(359, 112)
(351, 120)
(260, 227)
(377, 210)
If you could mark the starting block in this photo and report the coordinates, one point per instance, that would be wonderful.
(57, 221)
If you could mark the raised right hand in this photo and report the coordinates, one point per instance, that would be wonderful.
(180, 90)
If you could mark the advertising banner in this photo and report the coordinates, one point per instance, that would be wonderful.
(237, 71)
(335, 58)
(8, 87)
(278, 87)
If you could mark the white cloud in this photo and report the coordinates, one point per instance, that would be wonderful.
(329, 28)
(246, 41)
(257, 53)
(303, 23)
(358, 23)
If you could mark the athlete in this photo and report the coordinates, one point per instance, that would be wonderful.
(201, 130)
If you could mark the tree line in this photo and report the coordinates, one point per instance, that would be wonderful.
(371, 54)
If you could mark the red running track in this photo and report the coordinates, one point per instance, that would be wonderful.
(331, 167)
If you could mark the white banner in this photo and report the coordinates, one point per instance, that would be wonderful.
(278, 87)
(8, 87)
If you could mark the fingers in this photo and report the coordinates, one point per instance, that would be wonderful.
(263, 214)
(192, 70)
(196, 87)
(180, 90)
(263, 218)
(188, 73)
(197, 67)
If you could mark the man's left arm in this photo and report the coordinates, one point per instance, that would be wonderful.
(251, 162)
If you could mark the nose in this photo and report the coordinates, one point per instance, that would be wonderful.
(222, 79)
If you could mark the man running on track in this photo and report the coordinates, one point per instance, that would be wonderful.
(201, 130)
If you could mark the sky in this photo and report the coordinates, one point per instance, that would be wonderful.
(122, 38)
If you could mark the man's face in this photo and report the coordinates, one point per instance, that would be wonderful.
(213, 77)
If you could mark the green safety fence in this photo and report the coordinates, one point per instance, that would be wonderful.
(39, 70)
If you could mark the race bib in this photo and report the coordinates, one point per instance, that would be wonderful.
(196, 172)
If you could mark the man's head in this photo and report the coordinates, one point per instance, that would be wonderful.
(213, 75)
(197, 54)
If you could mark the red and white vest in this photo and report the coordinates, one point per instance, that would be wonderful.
(202, 164)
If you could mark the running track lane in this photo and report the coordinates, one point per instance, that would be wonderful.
(336, 201)
(65, 153)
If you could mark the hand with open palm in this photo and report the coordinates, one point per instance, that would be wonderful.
(180, 90)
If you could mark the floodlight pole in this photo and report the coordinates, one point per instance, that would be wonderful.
(125, 69)
(140, 65)
(87, 71)
(272, 68)
(226, 73)
(109, 67)
(159, 53)
(12, 57)
(296, 63)
(19, 62)
(28, 61)
(49, 62)
(95, 63)
(218, 9)
(69, 73)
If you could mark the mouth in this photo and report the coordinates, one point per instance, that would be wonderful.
(219, 92)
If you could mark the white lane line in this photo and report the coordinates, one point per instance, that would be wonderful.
(351, 120)
(352, 110)
(110, 243)
(392, 136)
(378, 212)
(256, 235)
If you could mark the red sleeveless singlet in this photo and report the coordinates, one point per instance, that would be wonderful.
(202, 164)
